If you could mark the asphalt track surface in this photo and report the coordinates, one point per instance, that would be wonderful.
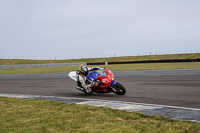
(163, 87)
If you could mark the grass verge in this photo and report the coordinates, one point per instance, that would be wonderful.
(93, 60)
(19, 115)
(149, 66)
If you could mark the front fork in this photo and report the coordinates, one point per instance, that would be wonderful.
(112, 84)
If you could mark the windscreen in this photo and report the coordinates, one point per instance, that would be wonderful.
(103, 72)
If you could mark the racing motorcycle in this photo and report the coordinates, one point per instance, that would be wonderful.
(105, 79)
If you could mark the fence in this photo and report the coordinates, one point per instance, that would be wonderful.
(98, 56)
(146, 61)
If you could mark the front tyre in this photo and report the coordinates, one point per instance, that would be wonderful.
(118, 89)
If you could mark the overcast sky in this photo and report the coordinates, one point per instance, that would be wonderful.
(90, 28)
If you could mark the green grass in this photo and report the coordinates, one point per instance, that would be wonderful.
(92, 60)
(148, 66)
(37, 116)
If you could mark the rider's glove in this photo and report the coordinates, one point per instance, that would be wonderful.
(95, 83)
(99, 81)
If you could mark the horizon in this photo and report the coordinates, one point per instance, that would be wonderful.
(102, 56)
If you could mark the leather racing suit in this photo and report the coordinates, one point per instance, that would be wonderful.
(83, 83)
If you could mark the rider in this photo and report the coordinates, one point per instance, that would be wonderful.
(83, 83)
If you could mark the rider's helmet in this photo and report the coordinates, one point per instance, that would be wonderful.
(83, 69)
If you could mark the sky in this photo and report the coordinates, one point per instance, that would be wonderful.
(45, 29)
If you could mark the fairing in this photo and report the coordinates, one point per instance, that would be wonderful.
(105, 76)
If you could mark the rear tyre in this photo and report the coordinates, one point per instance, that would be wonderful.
(118, 89)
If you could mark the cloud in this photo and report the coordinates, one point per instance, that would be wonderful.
(79, 28)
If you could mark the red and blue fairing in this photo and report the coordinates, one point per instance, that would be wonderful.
(105, 76)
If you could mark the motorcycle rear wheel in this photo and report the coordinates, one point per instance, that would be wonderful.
(118, 89)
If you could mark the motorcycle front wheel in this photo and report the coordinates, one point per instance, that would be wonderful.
(118, 89)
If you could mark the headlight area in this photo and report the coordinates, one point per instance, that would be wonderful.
(104, 80)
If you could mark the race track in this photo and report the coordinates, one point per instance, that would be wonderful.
(164, 87)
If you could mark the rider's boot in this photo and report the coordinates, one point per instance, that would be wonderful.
(85, 90)
(88, 91)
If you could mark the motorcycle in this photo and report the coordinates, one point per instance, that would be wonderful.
(105, 79)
